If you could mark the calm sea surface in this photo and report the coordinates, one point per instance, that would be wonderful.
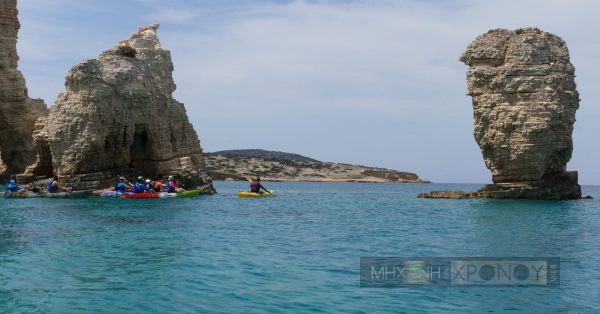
(296, 252)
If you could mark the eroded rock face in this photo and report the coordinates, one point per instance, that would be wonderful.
(118, 117)
(17, 111)
(524, 102)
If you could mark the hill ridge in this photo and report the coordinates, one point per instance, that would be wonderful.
(263, 153)
(237, 164)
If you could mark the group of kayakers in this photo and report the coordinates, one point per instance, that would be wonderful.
(143, 186)
(123, 186)
(53, 186)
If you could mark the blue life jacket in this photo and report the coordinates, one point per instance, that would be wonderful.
(52, 188)
(12, 186)
(120, 187)
(139, 188)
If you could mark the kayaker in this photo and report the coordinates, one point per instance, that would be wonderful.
(54, 186)
(255, 186)
(178, 182)
(149, 185)
(122, 185)
(139, 186)
(159, 186)
(12, 185)
(171, 185)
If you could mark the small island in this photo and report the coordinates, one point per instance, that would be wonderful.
(280, 166)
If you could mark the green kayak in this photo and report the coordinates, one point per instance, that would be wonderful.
(190, 193)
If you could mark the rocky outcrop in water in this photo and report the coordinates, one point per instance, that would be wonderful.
(117, 116)
(17, 111)
(524, 97)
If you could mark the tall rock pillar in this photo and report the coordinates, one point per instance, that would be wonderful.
(118, 116)
(18, 112)
(522, 84)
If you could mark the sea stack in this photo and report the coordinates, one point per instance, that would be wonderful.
(524, 96)
(18, 112)
(117, 116)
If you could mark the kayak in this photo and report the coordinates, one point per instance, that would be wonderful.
(190, 193)
(21, 195)
(76, 194)
(110, 194)
(140, 195)
(146, 195)
(252, 194)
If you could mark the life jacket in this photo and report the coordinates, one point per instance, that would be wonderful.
(51, 187)
(171, 185)
(157, 186)
(12, 186)
(120, 187)
(139, 188)
(255, 186)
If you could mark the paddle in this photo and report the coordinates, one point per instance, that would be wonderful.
(250, 180)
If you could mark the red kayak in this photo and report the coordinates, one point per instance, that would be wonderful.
(141, 195)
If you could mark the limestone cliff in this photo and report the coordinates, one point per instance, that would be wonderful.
(524, 96)
(17, 111)
(117, 116)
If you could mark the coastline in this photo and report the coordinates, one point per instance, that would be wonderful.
(237, 168)
(317, 180)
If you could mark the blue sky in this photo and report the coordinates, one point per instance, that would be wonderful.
(366, 82)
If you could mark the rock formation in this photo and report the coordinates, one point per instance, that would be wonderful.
(118, 117)
(17, 111)
(524, 101)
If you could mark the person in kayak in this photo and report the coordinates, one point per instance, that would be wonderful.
(139, 186)
(12, 185)
(122, 185)
(149, 185)
(54, 186)
(256, 186)
(172, 186)
(159, 186)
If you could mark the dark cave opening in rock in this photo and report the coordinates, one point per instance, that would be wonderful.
(140, 152)
(9, 159)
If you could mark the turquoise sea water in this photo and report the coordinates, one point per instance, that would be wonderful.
(296, 252)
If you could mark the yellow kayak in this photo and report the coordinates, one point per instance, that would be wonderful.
(252, 194)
